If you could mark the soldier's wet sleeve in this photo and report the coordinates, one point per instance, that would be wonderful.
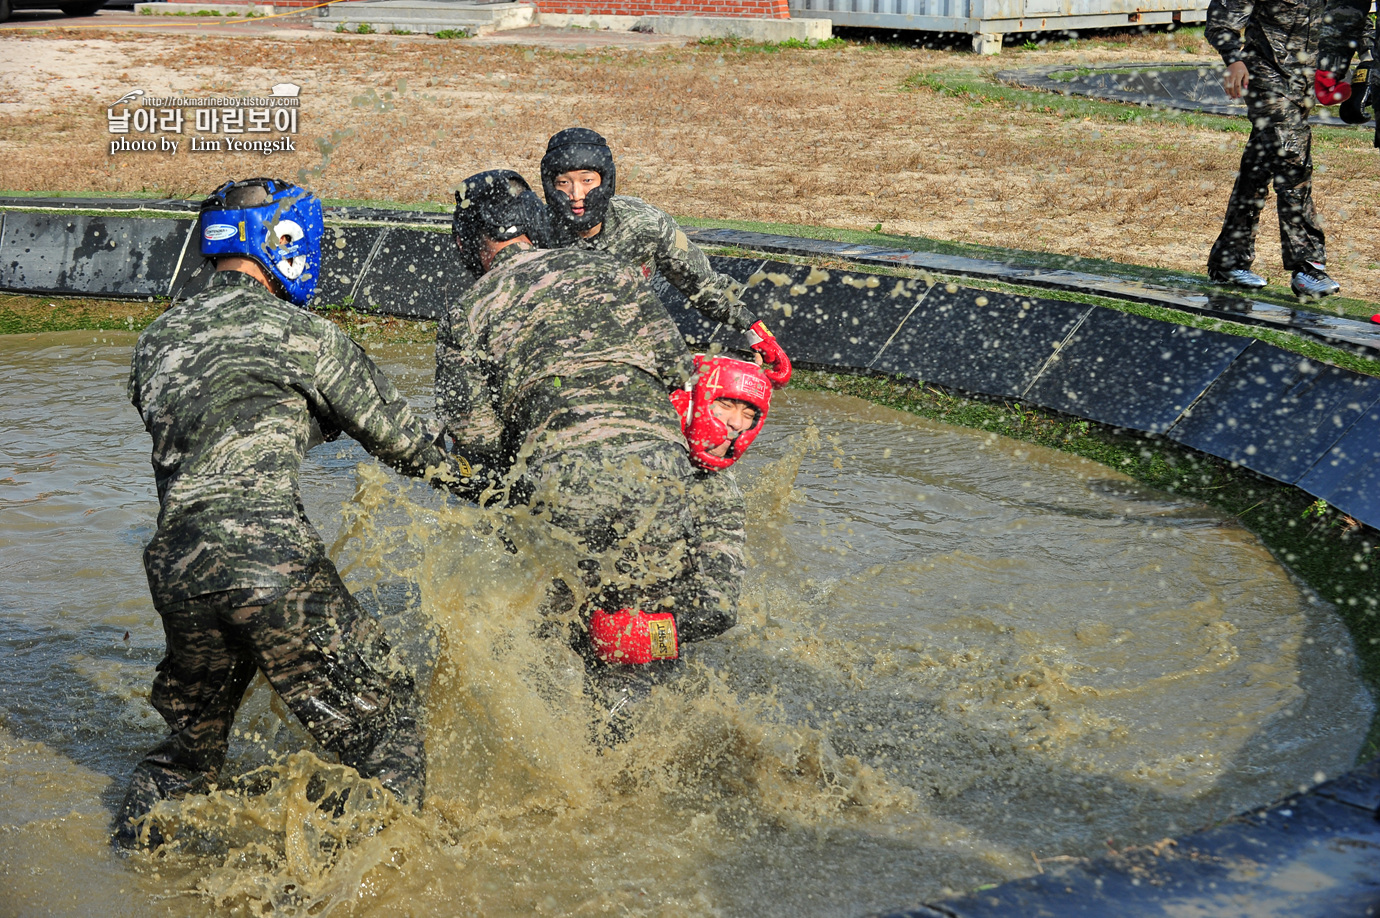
(721, 514)
(1344, 32)
(132, 385)
(1226, 20)
(466, 398)
(684, 264)
(352, 393)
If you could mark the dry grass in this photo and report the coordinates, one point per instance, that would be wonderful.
(826, 137)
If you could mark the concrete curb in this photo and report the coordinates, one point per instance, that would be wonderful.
(237, 7)
(475, 18)
(481, 18)
(764, 30)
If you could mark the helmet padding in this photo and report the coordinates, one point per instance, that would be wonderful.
(497, 205)
(572, 150)
(716, 378)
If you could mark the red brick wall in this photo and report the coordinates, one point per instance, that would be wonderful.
(748, 9)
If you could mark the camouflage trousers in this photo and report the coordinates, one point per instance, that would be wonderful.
(1279, 153)
(658, 535)
(327, 660)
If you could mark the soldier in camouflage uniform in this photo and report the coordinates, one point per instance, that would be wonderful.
(1273, 69)
(555, 368)
(1347, 29)
(579, 178)
(231, 383)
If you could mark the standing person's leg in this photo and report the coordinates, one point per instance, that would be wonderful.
(332, 666)
(1234, 250)
(1300, 235)
(198, 689)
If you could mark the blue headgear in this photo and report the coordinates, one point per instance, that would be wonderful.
(257, 231)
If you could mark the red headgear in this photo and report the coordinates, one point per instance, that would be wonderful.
(716, 378)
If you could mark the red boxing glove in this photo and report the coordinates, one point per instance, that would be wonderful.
(1328, 90)
(777, 365)
(632, 637)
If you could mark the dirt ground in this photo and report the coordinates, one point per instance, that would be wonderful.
(837, 137)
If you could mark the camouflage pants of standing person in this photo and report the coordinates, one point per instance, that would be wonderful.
(1278, 152)
(327, 660)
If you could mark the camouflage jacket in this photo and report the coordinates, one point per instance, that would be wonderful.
(642, 235)
(228, 383)
(1346, 29)
(539, 354)
(1280, 46)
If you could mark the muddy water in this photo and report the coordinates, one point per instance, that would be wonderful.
(958, 656)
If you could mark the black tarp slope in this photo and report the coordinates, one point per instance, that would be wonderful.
(1214, 392)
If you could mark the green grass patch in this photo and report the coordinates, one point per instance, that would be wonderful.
(36, 314)
(29, 315)
(452, 33)
(1066, 76)
(744, 46)
(980, 87)
(112, 195)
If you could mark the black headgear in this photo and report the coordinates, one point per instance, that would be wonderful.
(497, 205)
(572, 149)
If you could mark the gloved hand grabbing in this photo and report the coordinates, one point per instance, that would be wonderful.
(1356, 109)
(777, 365)
(456, 473)
(633, 637)
(1328, 89)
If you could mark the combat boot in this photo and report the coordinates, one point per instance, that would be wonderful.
(1312, 283)
(1237, 277)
